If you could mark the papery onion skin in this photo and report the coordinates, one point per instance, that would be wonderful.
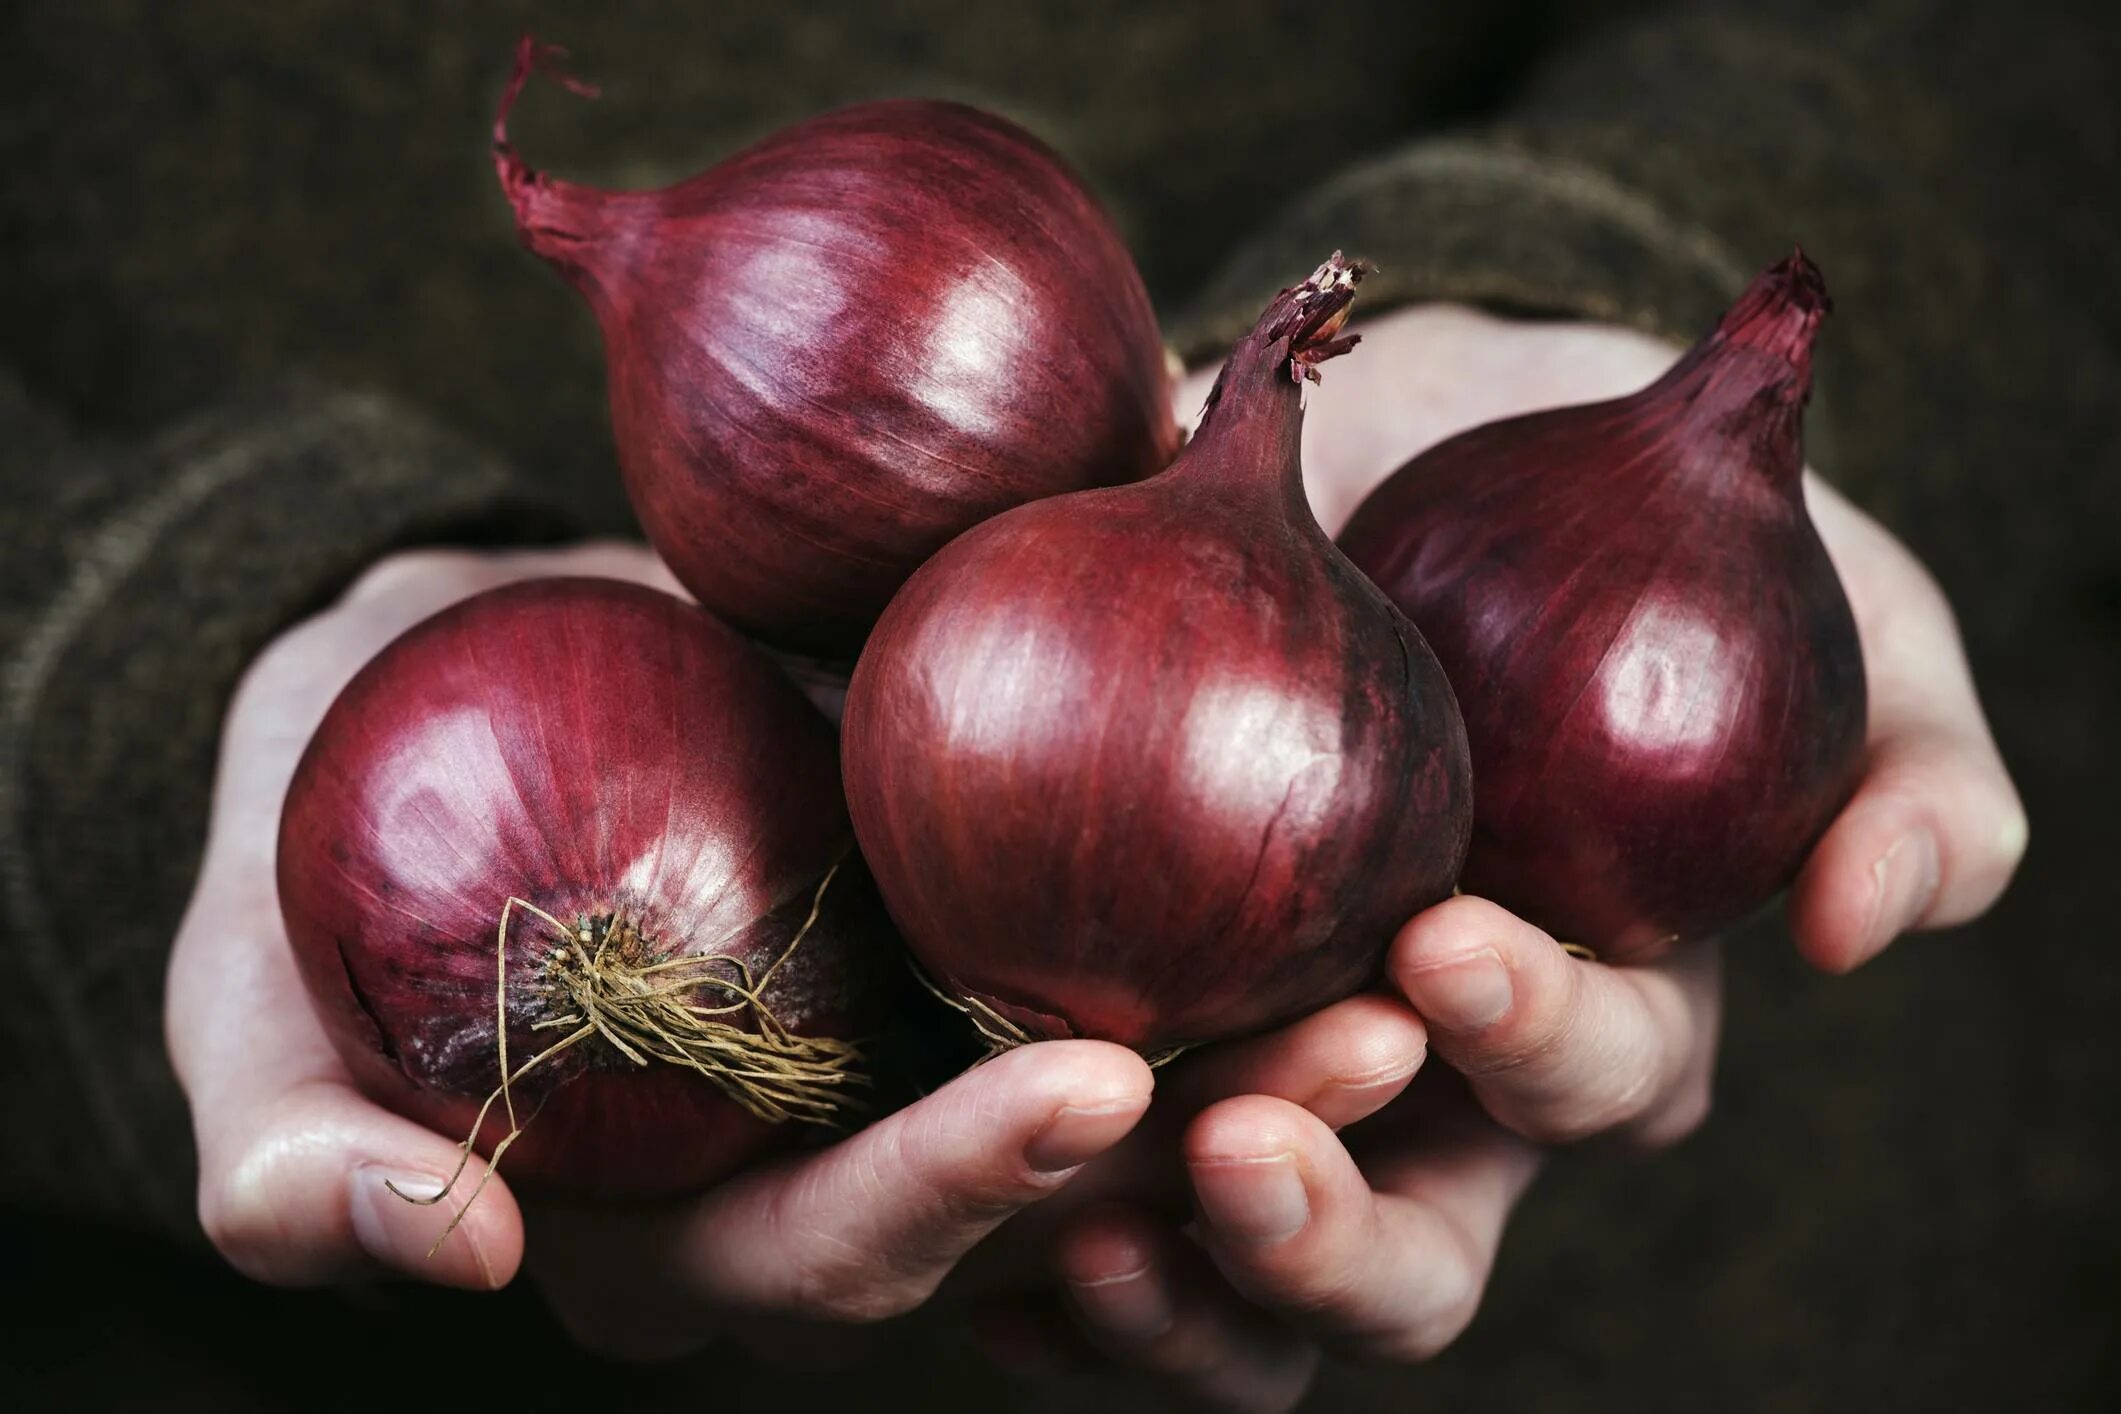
(1659, 670)
(1155, 764)
(591, 747)
(836, 350)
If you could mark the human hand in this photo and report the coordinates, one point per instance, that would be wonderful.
(293, 1158)
(1379, 1247)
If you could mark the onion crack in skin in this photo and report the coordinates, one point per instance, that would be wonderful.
(640, 1001)
(384, 1044)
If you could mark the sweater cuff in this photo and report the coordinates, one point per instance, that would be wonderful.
(1496, 224)
(1483, 221)
(185, 561)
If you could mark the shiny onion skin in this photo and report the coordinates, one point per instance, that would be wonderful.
(1155, 764)
(600, 750)
(836, 350)
(1659, 670)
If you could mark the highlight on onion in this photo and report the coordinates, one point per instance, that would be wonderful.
(591, 809)
(1660, 675)
(836, 350)
(1155, 764)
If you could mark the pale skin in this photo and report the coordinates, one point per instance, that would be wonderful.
(1338, 1206)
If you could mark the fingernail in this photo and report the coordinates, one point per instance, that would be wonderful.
(1254, 1201)
(399, 1234)
(1464, 994)
(1132, 1306)
(1079, 1133)
(1905, 881)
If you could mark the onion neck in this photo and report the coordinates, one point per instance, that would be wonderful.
(1748, 381)
(1779, 316)
(561, 222)
(1252, 426)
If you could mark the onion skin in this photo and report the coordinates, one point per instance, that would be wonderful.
(1660, 673)
(838, 349)
(592, 747)
(1155, 764)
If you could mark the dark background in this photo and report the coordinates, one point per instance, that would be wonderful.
(1903, 1200)
(209, 191)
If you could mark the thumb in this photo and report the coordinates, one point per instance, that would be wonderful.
(1935, 829)
(869, 1228)
(292, 1192)
(860, 1232)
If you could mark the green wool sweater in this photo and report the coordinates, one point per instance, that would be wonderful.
(206, 198)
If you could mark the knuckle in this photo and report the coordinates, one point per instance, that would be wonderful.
(240, 1214)
(873, 1238)
(1549, 1026)
(1677, 1122)
(1313, 1290)
(1414, 1345)
(227, 1229)
(1577, 1120)
(1527, 1045)
(1601, 1065)
(838, 1280)
(828, 1278)
(843, 1294)
(1457, 1287)
(2010, 828)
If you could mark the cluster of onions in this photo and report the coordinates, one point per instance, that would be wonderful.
(1132, 750)
(579, 850)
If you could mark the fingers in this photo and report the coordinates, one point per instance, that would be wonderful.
(868, 1228)
(292, 1160)
(1152, 1304)
(292, 1192)
(1342, 1064)
(1294, 1226)
(1932, 837)
(1936, 828)
(862, 1231)
(1556, 1049)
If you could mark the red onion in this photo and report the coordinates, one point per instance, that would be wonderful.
(1659, 670)
(1155, 764)
(836, 350)
(665, 808)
